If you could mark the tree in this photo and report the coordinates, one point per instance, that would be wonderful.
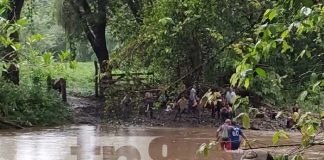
(188, 37)
(285, 51)
(89, 18)
(11, 70)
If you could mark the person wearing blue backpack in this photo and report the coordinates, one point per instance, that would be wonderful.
(235, 136)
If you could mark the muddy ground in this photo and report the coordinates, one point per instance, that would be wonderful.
(90, 110)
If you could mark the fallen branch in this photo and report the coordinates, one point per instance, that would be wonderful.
(283, 145)
(10, 124)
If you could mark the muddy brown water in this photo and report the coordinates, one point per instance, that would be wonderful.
(99, 142)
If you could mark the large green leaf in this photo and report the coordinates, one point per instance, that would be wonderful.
(165, 20)
(303, 95)
(285, 47)
(266, 14)
(245, 120)
(272, 14)
(322, 114)
(303, 117)
(35, 38)
(22, 22)
(316, 85)
(285, 34)
(261, 72)
(322, 83)
(276, 137)
(202, 148)
(247, 83)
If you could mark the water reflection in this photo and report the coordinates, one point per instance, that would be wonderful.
(98, 143)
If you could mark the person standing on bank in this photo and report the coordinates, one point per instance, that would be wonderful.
(148, 102)
(230, 97)
(193, 98)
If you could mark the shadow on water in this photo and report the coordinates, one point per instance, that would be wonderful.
(97, 143)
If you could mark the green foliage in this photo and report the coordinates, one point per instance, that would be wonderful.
(28, 104)
(298, 157)
(276, 137)
(39, 15)
(178, 36)
(241, 102)
(288, 31)
(290, 28)
(312, 97)
(7, 28)
(261, 72)
(310, 126)
(206, 147)
(37, 106)
(245, 120)
(282, 157)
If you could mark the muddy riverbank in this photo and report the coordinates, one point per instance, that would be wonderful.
(90, 110)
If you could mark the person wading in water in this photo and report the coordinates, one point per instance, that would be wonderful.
(223, 134)
(235, 134)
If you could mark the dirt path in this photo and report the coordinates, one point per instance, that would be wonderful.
(86, 110)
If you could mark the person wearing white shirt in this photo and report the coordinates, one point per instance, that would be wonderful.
(230, 96)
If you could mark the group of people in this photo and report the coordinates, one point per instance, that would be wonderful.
(222, 104)
(187, 103)
(227, 102)
(230, 135)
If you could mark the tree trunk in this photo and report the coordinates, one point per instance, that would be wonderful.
(135, 7)
(195, 61)
(11, 72)
(99, 44)
(94, 26)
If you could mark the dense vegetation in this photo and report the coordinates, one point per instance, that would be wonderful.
(273, 49)
(29, 103)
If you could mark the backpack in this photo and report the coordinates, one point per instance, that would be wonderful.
(225, 134)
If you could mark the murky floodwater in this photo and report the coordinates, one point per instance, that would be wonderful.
(97, 143)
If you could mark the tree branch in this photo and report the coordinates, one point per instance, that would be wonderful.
(135, 8)
(83, 17)
(283, 145)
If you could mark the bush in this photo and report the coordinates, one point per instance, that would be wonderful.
(31, 105)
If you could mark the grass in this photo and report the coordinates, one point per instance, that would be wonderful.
(80, 81)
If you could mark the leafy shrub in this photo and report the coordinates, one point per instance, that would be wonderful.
(31, 105)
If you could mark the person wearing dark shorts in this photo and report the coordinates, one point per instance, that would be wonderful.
(235, 136)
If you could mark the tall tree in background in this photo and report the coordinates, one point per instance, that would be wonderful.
(187, 40)
(89, 18)
(85, 19)
(11, 70)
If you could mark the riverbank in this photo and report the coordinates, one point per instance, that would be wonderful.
(90, 110)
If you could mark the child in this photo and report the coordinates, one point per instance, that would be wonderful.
(182, 104)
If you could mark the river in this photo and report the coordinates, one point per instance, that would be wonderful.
(99, 142)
